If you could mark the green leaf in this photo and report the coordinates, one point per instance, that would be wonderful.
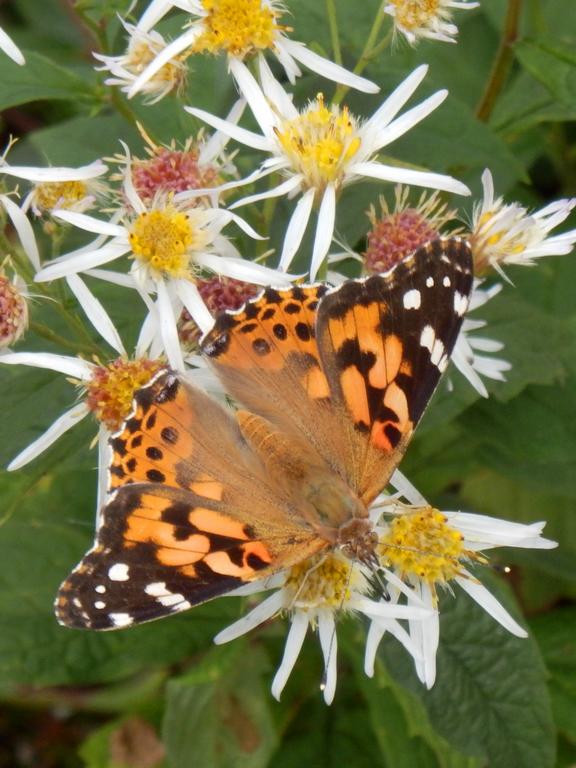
(531, 438)
(553, 63)
(221, 712)
(555, 634)
(490, 695)
(41, 78)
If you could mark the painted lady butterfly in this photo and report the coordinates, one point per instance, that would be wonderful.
(332, 383)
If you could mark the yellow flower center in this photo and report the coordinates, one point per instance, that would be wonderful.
(142, 52)
(492, 243)
(324, 581)
(163, 238)
(59, 194)
(320, 142)
(414, 14)
(422, 544)
(238, 27)
(110, 391)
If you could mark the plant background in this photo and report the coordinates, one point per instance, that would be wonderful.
(161, 694)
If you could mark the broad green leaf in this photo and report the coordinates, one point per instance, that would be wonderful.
(490, 694)
(531, 438)
(41, 79)
(218, 714)
(555, 634)
(551, 62)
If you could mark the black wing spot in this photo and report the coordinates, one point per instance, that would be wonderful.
(303, 331)
(131, 464)
(261, 347)
(169, 435)
(155, 476)
(292, 309)
(248, 327)
(136, 441)
(151, 420)
(268, 313)
(280, 331)
(154, 453)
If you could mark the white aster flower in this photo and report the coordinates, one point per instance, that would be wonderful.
(418, 19)
(240, 29)
(74, 189)
(428, 550)
(143, 48)
(472, 354)
(507, 233)
(10, 48)
(322, 149)
(169, 245)
(313, 595)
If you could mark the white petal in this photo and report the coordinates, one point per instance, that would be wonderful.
(388, 610)
(394, 103)
(408, 120)
(96, 313)
(329, 645)
(61, 425)
(249, 138)
(261, 613)
(240, 222)
(194, 303)
(296, 228)
(326, 68)
(148, 331)
(168, 328)
(285, 188)
(294, 641)
(409, 491)
(274, 92)
(116, 278)
(493, 607)
(185, 40)
(242, 269)
(70, 366)
(80, 263)
(407, 176)
(24, 230)
(104, 458)
(29, 173)
(155, 11)
(213, 148)
(324, 229)
(90, 224)
(257, 102)
(11, 49)
(375, 634)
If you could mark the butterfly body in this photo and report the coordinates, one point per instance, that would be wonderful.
(331, 383)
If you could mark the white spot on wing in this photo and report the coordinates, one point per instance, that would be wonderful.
(435, 346)
(446, 282)
(412, 299)
(100, 589)
(121, 619)
(429, 282)
(166, 598)
(460, 304)
(99, 604)
(427, 337)
(118, 572)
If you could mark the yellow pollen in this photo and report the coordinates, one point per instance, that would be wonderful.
(415, 14)
(59, 194)
(491, 243)
(324, 581)
(320, 142)
(238, 27)
(110, 391)
(162, 239)
(422, 544)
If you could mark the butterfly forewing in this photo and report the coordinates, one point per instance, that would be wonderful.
(384, 342)
(190, 515)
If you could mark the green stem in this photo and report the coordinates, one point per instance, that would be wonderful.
(334, 34)
(368, 52)
(502, 63)
(47, 333)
